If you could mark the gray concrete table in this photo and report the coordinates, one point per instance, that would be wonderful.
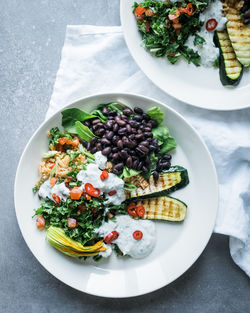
(31, 38)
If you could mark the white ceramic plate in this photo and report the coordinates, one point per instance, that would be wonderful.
(197, 86)
(178, 244)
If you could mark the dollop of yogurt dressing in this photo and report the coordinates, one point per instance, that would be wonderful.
(100, 160)
(46, 190)
(208, 51)
(113, 182)
(125, 226)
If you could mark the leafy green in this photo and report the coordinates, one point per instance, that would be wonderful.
(83, 131)
(70, 116)
(165, 141)
(168, 145)
(129, 172)
(55, 134)
(156, 114)
(49, 154)
(35, 189)
(98, 113)
(198, 40)
(129, 186)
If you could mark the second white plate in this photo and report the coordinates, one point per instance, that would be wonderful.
(197, 86)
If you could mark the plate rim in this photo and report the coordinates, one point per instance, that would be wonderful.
(112, 95)
(181, 98)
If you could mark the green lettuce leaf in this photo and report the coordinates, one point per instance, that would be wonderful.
(83, 131)
(161, 133)
(129, 172)
(168, 145)
(156, 114)
(71, 116)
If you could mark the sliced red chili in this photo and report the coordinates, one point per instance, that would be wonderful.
(140, 210)
(111, 236)
(190, 9)
(91, 190)
(132, 210)
(104, 175)
(211, 24)
(56, 198)
(112, 192)
(137, 235)
(51, 165)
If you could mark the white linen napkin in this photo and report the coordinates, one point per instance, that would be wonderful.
(96, 59)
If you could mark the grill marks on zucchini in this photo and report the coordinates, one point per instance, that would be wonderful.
(239, 35)
(230, 68)
(176, 177)
(164, 208)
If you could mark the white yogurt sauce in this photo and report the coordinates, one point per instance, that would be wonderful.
(125, 226)
(46, 190)
(100, 160)
(113, 182)
(208, 52)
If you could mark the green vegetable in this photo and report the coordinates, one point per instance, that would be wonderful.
(198, 40)
(98, 113)
(164, 208)
(70, 116)
(166, 142)
(170, 180)
(156, 114)
(129, 172)
(129, 186)
(56, 134)
(231, 70)
(49, 154)
(83, 131)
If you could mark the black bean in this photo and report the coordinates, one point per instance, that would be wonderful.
(115, 156)
(100, 132)
(137, 118)
(110, 156)
(159, 167)
(93, 141)
(147, 161)
(143, 148)
(135, 164)
(134, 130)
(167, 157)
(144, 123)
(105, 142)
(87, 123)
(122, 131)
(84, 143)
(100, 125)
(109, 124)
(154, 123)
(106, 151)
(133, 123)
(121, 123)
(144, 169)
(155, 141)
(88, 146)
(109, 135)
(133, 143)
(96, 121)
(105, 111)
(99, 146)
(142, 127)
(148, 134)
(244, 8)
(111, 117)
(138, 110)
(146, 117)
(120, 144)
(132, 152)
(95, 127)
(139, 131)
(129, 128)
(93, 150)
(155, 176)
(139, 151)
(129, 162)
(127, 111)
(151, 148)
(166, 165)
(115, 149)
(123, 154)
(144, 143)
(115, 127)
(139, 136)
(140, 165)
(247, 14)
(115, 139)
(147, 129)
(112, 113)
(118, 166)
(131, 137)
(246, 21)
(124, 117)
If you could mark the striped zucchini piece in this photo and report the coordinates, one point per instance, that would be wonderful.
(164, 208)
(239, 35)
(176, 177)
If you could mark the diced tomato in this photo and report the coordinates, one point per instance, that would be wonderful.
(62, 140)
(71, 223)
(91, 190)
(75, 193)
(53, 181)
(112, 192)
(137, 235)
(190, 9)
(111, 236)
(104, 175)
(51, 166)
(211, 24)
(132, 210)
(75, 142)
(40, 222)
(149, 12)
(56, 198)
(140, 210)
(177, 26)
(139, 10)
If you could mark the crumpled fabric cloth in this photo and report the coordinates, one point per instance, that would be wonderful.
(96, 59)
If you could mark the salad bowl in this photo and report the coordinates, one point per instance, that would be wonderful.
(177, 246)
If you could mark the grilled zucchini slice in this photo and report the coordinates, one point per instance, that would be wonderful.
(174, 178)
(231, 70)
(239, 35)
(164, 208)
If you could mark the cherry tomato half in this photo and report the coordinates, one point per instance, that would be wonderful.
(137, 235)
(132, 210)
(111, 236)
(211, 24)
(56, 198)
(140, 210)
(91, 190)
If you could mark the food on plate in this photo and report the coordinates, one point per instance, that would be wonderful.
(187, 29)
(106, 176)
